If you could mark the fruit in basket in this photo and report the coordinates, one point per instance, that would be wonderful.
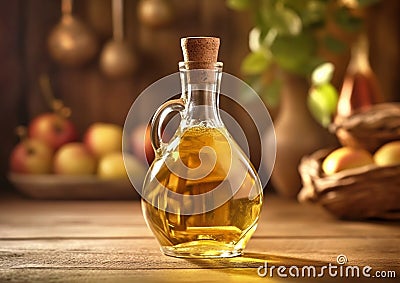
(74, 159)
(346, 158)
(111, 166)
(141, 143)
(103, 138)
(31, 156)
(53, 129)
(388, 154)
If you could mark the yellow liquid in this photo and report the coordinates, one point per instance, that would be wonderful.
(221, 232)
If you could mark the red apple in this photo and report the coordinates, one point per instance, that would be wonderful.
(103, 138)
(141, 143)
(74, 159)
(52, 129)
(31, 156)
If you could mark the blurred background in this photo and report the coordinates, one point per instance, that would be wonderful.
(93, 96)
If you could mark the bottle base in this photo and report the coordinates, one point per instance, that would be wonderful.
(202, 249)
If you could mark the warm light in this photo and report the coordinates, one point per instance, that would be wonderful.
(67, 42)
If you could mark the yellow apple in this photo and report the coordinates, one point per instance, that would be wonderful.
(112, 166)
(103, 138)
(388, 154)
(346, 158)
(74, 159)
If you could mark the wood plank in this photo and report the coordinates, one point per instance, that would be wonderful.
(164, 275)
(109, 241)
(79, 259)
(63, 219)
(145, 254)
(240, 275)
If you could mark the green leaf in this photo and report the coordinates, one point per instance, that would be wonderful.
(293, 53)
(322, 74)
(284, 20)
(239, 5)
(365, 3)
(322, 102)
(311, 12)
(270, 93)
(313, 63)
(255, 63)
(254, 39)
(347, 21)
(259, 20)
(333, 44)
(268, 89)
(297, 5)
(269, 38)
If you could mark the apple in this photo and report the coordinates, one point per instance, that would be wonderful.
(111, 166)
(346, 158)
(74, 159)
(31, 156)
(103, 138)
(53, 129)
(141, 143)
(388, 154)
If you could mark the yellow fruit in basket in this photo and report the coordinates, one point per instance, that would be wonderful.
(112, 166)
(103, 138)
(74, 159)
(346, 158)
(388, 154)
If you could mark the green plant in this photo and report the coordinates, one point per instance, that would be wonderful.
(290, 34)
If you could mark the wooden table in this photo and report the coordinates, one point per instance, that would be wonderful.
(96, 241)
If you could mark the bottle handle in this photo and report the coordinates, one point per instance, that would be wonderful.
(158, 120)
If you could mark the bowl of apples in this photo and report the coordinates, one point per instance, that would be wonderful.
(353, 183)
(51, 163)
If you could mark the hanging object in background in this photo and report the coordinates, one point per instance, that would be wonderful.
(71, 43)
(360, 88)
(117, 58)
(155, 13)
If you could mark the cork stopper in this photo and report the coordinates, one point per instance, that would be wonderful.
(200, 52)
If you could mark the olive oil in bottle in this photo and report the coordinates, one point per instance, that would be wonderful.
(221, 231)
(201, 196)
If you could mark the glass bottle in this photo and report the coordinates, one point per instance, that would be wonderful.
(360, 88)
(201, 196)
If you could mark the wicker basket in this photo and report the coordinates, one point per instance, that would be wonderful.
(369, 129)
(365, 192)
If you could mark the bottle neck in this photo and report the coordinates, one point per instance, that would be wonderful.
(200, 92)
(359, 62)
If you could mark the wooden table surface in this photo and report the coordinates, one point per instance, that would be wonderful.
(92, 241)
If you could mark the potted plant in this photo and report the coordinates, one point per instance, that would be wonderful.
(293, 48)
